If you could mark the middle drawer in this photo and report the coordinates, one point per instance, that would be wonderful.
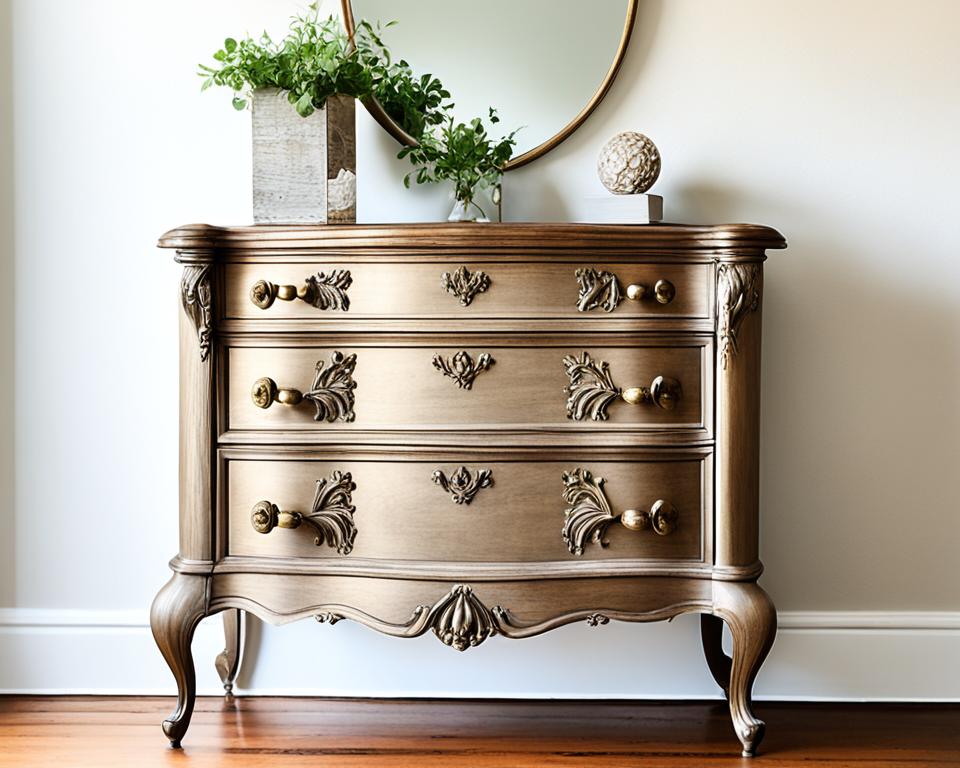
(655, 384)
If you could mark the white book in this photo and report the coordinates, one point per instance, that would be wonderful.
(619, 209)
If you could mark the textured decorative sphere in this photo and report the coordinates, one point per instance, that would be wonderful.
(629, 163)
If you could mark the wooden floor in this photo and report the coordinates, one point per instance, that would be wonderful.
(63, 732)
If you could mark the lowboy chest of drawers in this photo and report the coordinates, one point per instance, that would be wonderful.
(474, 430)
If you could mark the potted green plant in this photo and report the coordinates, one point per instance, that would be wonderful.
(465, 154)
(302, 92)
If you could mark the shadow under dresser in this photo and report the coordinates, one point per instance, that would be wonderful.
(470, 430)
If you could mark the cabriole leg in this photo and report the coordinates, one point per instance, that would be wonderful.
(711, 635)
(752, 618)
(174, 616)
(228, 661)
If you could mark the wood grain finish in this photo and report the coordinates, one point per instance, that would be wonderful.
(416, 290)
(399, 387)
(459, 389)
(402, 515)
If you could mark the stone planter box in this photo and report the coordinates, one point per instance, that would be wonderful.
(304, 168)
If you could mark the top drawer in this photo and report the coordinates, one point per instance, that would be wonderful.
(327, 290)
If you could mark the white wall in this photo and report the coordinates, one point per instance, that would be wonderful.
(7, 512)
(834, 122)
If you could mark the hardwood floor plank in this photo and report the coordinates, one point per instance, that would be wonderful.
(289, 733)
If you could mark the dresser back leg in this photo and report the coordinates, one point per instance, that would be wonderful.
(176, 611)
(228, 661)
(752, 618)
(711, 635)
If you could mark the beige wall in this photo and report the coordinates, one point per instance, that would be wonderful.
(7, 510)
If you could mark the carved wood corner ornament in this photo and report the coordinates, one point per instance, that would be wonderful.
(738, 293)
(195, 296)
(461, 486)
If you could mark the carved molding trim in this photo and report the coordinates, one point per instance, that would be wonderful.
(738, 293)
(196, 298)
(464, 284)
(598, 289)
(509, 626)
(591, 389)
(462, 368)
(459, 619)
(330, 515)
(476, 622)
(332, 389)
(461, 486)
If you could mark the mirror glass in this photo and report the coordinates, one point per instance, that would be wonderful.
(540, 63)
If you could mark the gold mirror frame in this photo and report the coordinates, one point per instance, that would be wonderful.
(391, 127)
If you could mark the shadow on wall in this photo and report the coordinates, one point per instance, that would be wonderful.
(860, 411)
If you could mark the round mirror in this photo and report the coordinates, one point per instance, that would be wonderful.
(544, 65)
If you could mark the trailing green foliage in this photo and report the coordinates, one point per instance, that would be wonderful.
(462, 153)
(317, 59)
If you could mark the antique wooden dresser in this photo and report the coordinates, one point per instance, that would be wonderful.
(474, 430)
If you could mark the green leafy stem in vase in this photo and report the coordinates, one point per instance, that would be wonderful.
(463, 153)
(317, 59)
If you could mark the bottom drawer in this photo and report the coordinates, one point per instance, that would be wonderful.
(486, 511)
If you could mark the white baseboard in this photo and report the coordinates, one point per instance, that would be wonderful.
(834, 655)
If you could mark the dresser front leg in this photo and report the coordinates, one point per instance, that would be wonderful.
(174, 616)
(752, 618)
(711, 635)
(228, 661)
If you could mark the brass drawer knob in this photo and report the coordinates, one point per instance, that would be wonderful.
(266, 392)
(663, 291)
(321, 290)
(589, 515)
(330, 515)
(661, 519)
(591, 390)
(331, 392)
(601, 289)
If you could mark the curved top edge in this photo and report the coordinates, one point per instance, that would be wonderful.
(521, 236)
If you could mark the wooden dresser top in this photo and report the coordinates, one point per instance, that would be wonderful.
(476, 238)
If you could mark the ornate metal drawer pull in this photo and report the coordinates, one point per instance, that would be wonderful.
(330, 515)
(464, 284)
(321, 291)
(591, 389)
(462, 368)
(589, 514)
(602, 289)
(331, 392)
(461, 486)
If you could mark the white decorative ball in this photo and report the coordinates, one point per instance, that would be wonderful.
(629, 163)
